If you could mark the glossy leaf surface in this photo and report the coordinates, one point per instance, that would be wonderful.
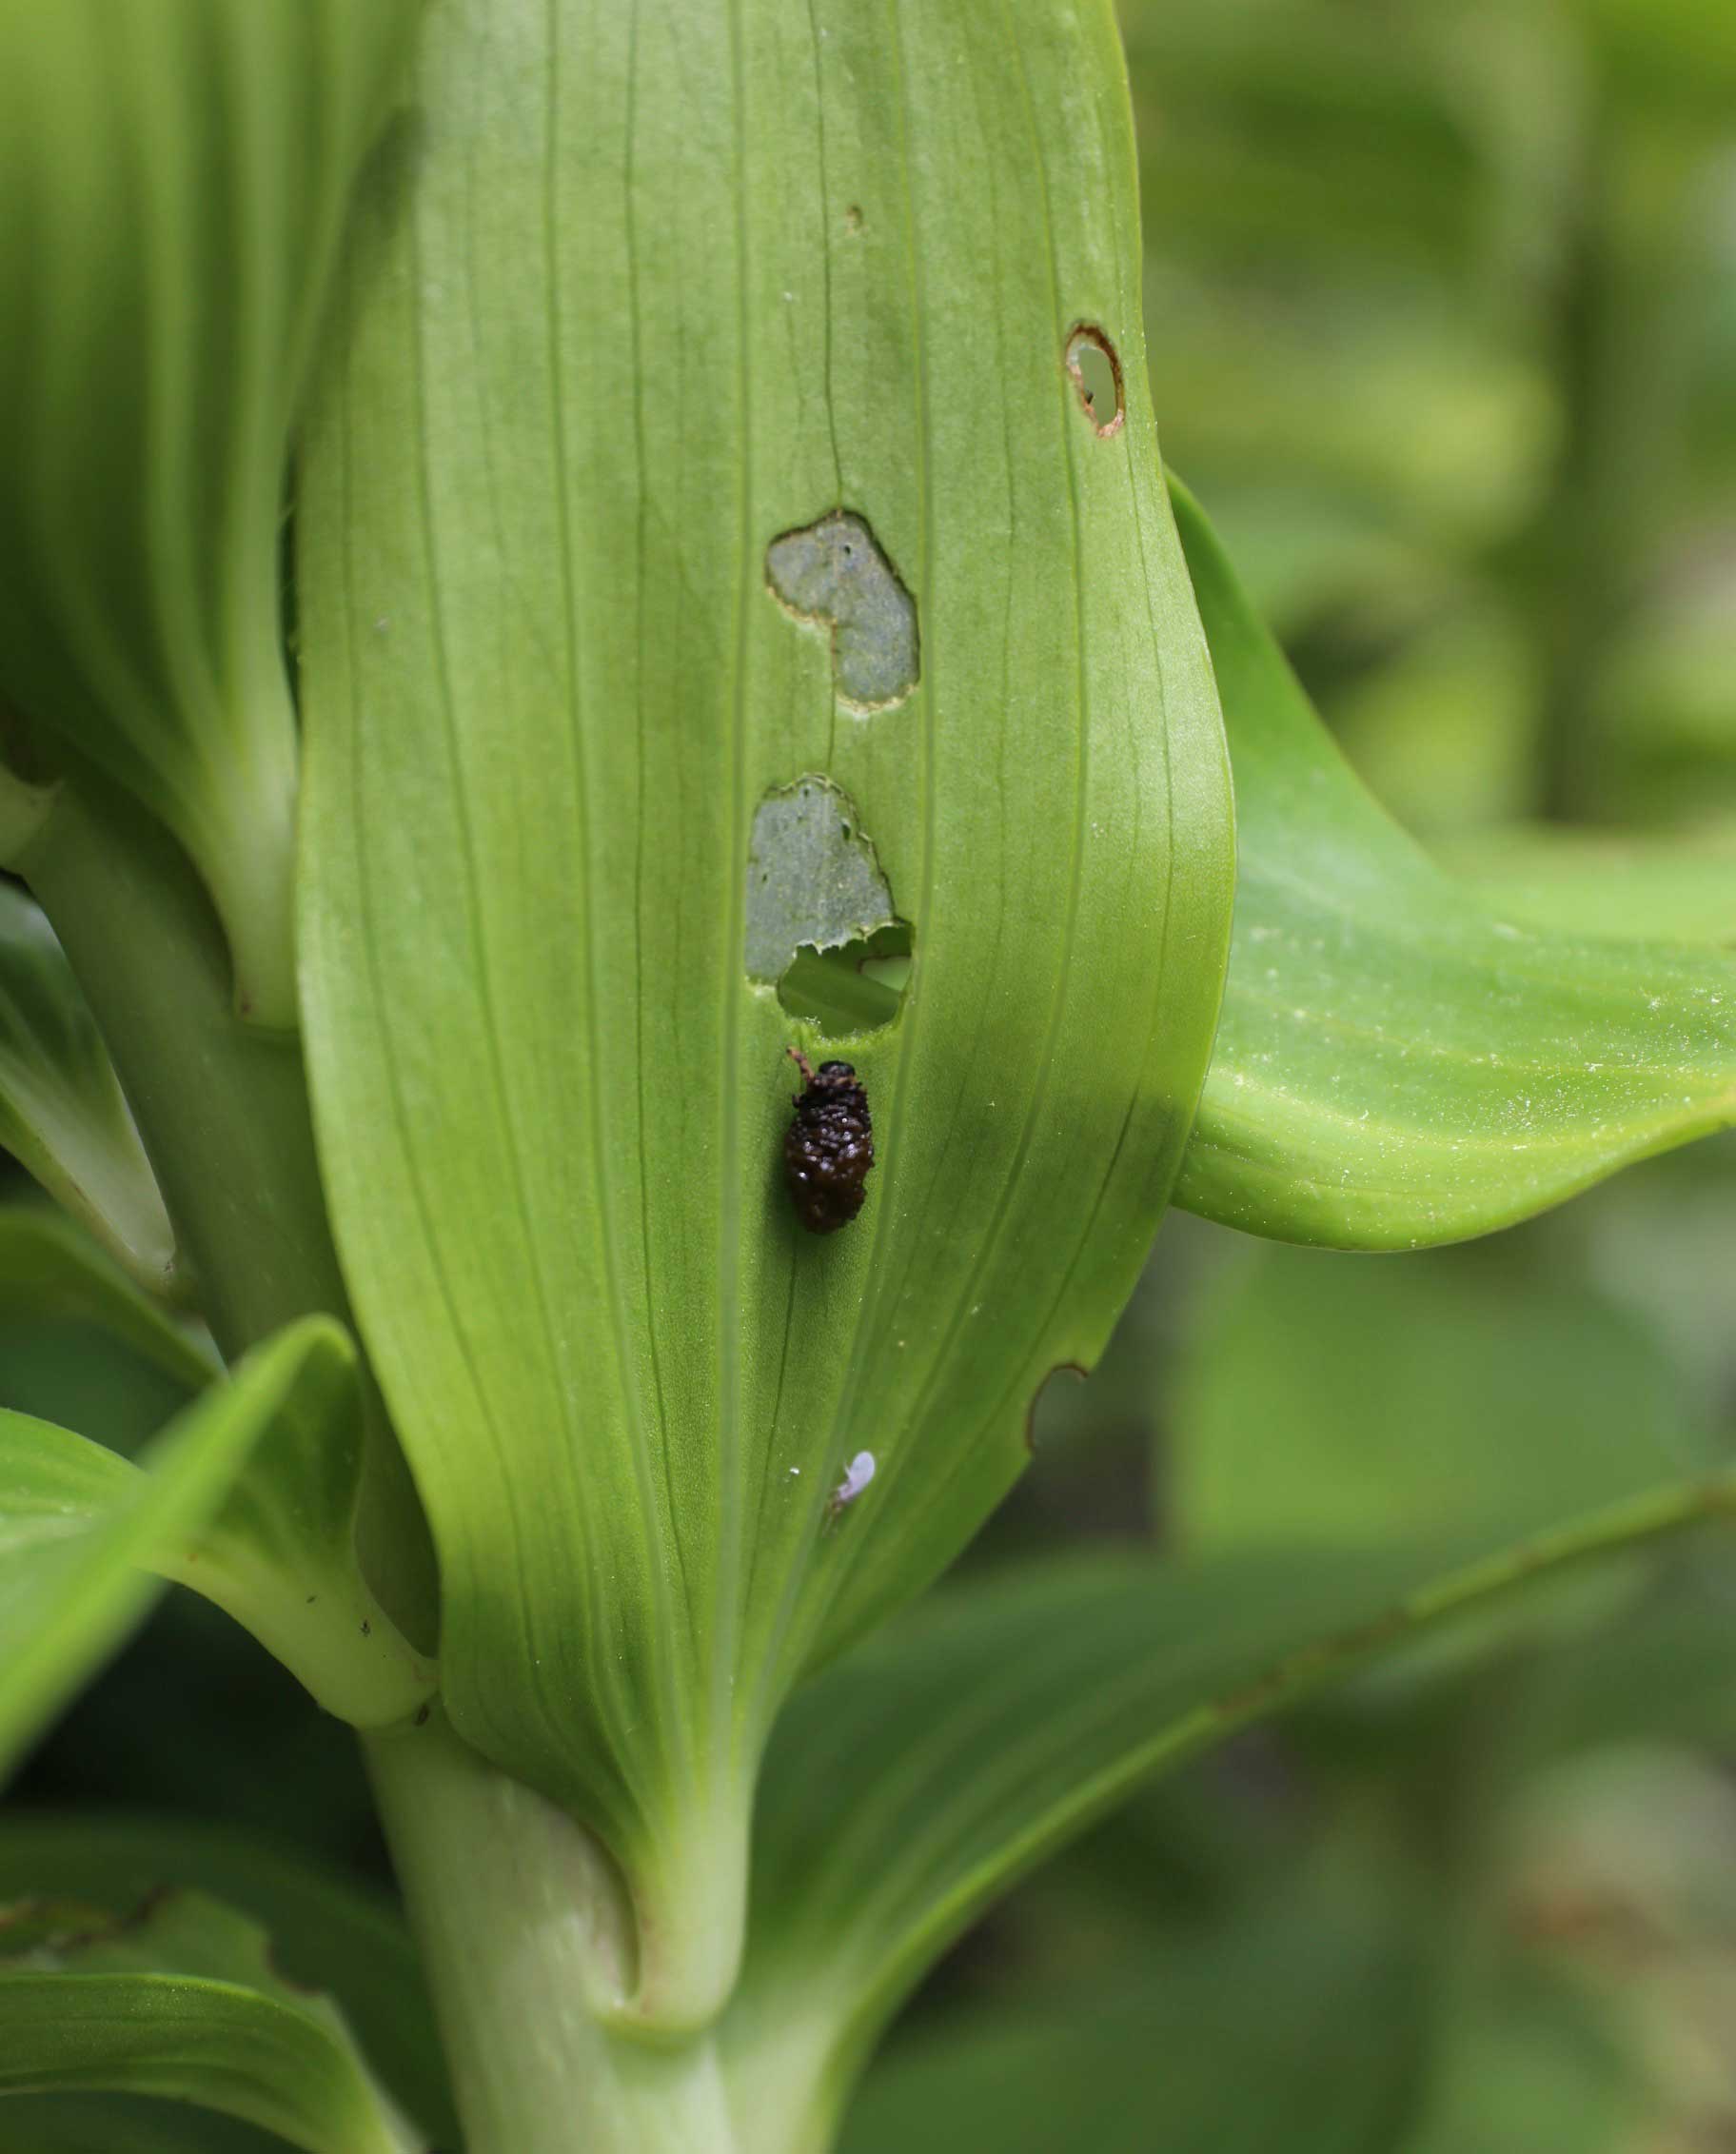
(549, 682)
(179, 1997)
(176, 173)
(914, 1782)
(1397, 1063)
(62, 1114)
(72, 1584)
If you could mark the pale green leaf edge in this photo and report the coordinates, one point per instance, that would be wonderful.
(1414, 1138)
(274, 1557)
(57, 1633)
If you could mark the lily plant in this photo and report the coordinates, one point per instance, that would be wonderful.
(552, 554)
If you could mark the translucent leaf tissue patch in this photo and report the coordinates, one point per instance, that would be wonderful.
(834, 575)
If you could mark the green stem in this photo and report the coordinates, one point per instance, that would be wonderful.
(222, 1107)
(526, 1938)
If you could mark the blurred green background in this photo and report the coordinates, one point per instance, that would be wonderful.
(1441, 301)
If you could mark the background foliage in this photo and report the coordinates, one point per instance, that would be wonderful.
(1441, 304)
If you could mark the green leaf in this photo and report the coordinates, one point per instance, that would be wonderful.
(180, 1999)
(72, 1586)
(1679, 888)
(125, 2124)
(327, 1930)
(552, 673)
(913, 1783)
(49, 1270)
(1301, 2023)
(176, 174)
(62, 1115)
(1332, 1402)
(1396, 1063)
(279, 1554)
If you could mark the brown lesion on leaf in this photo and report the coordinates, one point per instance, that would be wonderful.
(1095, 367)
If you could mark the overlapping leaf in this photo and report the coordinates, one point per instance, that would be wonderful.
(179, 1997)
(1397, 1063)
(73, 1582)
(1301, 2023)
(1483, 1392)
(176, 173)
(551, 674)
(278, 1554)
(61, 1111)
(48, 1269)
(326, 1931)
(910, 1785)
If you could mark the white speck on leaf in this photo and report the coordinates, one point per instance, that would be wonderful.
(856, 1476)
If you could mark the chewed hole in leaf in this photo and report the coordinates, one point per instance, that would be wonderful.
(832, 574)
(857, 987)
(1097, 376)
(820, 923)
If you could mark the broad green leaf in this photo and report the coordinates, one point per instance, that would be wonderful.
(327, 1931)
(1398, 1064)
(1330, 1401)
(278, 1554)
(72, 1586)
(913, 1781)
(62, 1115)
(179, 1997)
(48, 1269)
(1679, 887)
(1301, 2023)
(176, 174)
(662, 290)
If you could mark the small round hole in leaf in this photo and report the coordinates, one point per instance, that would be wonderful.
(1097, 376)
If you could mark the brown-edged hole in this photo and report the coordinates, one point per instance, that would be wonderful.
(1096, 375)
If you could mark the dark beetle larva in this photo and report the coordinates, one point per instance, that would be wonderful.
(829, 1147)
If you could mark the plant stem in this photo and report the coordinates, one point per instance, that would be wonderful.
(222, 1107)
(526, 1938)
